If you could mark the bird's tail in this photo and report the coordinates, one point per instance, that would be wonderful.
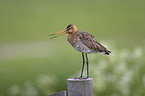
(102, 49)
(107, 52)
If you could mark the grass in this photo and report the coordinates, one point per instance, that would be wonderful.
(120, 74)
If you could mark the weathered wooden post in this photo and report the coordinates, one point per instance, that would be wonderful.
(80, 87)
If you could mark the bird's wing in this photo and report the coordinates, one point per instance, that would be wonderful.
(89, 41)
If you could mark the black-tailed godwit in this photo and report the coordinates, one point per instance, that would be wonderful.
(82, 42)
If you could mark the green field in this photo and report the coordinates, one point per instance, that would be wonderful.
(33, 65)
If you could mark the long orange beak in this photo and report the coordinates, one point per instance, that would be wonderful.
(59, 33)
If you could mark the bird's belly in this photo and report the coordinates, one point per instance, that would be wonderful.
(79, 46)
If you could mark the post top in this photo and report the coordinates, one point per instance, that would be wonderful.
(77, 79)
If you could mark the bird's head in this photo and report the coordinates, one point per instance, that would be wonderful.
(70, 29)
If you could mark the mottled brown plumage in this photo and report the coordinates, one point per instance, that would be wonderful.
(86, 43)
(82, 42)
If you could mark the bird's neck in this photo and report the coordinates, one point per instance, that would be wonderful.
(71, 38)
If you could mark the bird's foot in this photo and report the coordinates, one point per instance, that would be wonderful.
(82, 77)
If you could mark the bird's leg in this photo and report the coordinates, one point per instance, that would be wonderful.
(82, 66)
(87, 66)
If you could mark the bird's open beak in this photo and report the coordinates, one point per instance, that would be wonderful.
(59, 33)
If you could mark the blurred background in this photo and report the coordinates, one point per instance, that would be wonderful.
(33, 65)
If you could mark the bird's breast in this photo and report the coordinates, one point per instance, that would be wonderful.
(75, 41)
(72, 39)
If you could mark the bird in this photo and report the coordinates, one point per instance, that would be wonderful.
(83, 42)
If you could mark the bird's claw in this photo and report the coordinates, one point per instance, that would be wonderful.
(82, 77)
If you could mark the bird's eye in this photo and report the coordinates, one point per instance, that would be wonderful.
(69, 28)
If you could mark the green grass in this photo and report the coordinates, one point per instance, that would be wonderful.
(30, 61)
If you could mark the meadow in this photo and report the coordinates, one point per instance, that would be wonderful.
(33, 65)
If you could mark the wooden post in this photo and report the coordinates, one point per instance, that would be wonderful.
(80, 87)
